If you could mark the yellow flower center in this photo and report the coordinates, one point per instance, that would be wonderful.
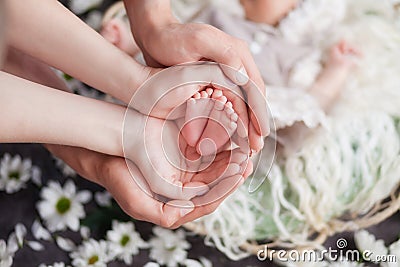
(14, 175)
(93, 259)
(124, 240)
(63, 205)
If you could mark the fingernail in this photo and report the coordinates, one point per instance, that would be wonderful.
(178, 183)
(242, 158)
(202, 192)
(235, 168)
(186, 210)
(267, 131)
(243, 168)
(245, 149)
(261, 142)
(241, 76)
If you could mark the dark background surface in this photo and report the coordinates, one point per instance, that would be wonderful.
(20, 208)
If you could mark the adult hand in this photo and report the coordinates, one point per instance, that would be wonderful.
(165, 41)
(172, 168)
(165, 94)
(113, 173)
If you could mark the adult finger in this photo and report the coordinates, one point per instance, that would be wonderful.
(238, 64)
(113, 173)
(227, 166)
(219, 193)
(127, 185)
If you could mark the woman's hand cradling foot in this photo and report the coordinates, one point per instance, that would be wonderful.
(113, 173)
(154, 28)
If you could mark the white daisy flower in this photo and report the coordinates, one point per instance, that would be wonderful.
(203, 262)
(394, 251)
(91, 253)
(85, 232)
(304, 264)
(89, 92)
(94, 19)
(14, 173)
(367, 242)
(36, 176)
(71, 83)
(81, 6)
(36, 246)
(12, 243)
(103, 199)
(61, 207)
(20, 233)
(345, 263)
(17, 239)
(65, 244)
(124, 241)
(6, 257)
(168, 247)
(39, 232)
(56, 264)
(65, 169)
(151, 264)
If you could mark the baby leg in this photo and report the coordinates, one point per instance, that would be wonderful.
(342, 59)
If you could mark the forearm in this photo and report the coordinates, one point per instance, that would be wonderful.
(327, 85)
(29, 68)
(46, 30)
(88, 164)
(35, 113)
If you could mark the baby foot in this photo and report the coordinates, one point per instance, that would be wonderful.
(221, 125)
(210, 121)
(198, 110)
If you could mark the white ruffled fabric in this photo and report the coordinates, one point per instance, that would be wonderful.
(346, 167)
(289, 106)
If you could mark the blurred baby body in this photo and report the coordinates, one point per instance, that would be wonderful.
(115, 29)
(298, 96)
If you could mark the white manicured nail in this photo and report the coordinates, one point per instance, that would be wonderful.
(185, 211)
(241, 76)
(202, 192)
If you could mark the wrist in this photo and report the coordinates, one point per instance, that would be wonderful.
(132, 134)
(337, 70)
(130, 77)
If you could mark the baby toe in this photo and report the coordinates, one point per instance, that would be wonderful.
(191, 102)
(218, 105)
(233, 125)
(217, 94)
(204, 94)
(234, 117)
